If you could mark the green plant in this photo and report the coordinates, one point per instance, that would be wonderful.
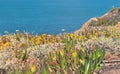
(82, 61)
(92, 60)
(67, 60)
(21, 54)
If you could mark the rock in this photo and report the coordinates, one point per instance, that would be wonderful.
(109, 19)
(113, 14)
(92, 21)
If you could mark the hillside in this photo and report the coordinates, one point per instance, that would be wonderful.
(94, 49)
(111, 18)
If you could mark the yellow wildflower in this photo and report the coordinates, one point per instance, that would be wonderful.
(8, 44)
(74, 36)
(82, 37)
(91, 36)
(43, 35)
(98, 55)
(1, 47)
(82, 61)
(32, 39)
(54, 57)
(71, 35)
(67, 36)
(38, 40)
(33, 68)
(94, 37)
(62, 53)
(74, 54)
(82, 49)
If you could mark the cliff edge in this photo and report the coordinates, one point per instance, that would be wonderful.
(111, 18)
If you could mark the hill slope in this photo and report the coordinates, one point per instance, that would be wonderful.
(111, 18)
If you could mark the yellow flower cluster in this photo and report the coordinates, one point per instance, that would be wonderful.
(28, 39)
(5, 45)
(38, 40)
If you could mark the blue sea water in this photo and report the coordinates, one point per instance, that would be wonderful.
(50, 16)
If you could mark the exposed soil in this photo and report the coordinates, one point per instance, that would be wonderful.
(111, 64)
(111, 69)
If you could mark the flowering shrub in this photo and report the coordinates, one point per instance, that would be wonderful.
(80, 53)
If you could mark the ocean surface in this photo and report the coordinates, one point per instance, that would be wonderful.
(50, 16)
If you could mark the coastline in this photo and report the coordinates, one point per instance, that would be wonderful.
(28, 53)
(112, 14)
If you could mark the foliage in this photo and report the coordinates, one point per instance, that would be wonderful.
(67, 60)
(61, 54)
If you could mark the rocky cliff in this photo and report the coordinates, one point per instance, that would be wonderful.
(111, 18)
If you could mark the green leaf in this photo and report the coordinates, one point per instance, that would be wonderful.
(87, 68)
(45, 71)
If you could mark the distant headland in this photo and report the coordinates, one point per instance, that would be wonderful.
(111, 18)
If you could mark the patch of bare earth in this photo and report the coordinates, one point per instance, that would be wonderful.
(111, 69)
(111, 64)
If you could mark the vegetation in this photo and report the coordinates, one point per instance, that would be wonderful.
(73, 53)
(80, 53)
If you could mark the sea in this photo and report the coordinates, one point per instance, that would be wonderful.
(50, 16)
